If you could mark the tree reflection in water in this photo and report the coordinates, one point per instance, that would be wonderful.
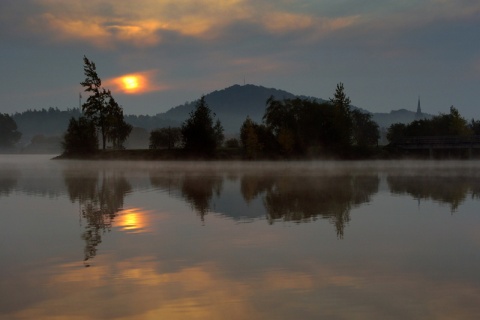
(100, 195)
(296, 198)
(449, 189)
(196, 188)
(8, 179)
(300, 198)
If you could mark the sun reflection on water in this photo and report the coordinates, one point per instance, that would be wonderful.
(133, 220)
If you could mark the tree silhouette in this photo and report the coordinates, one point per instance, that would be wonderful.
(365, 131)
(165, 138)
(9, 135)
(249, 138)
(451, 124)
(117, 130)
(100, 195)
(80, 138)
(200, 135)
(102, 108)
(342, 117)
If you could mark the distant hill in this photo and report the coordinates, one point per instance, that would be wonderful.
(232, 105)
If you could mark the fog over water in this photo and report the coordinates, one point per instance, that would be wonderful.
(210, 240)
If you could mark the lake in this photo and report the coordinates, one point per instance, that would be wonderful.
(232, 240)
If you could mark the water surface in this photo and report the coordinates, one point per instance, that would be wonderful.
(229, 240)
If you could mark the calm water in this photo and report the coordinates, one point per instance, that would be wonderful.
(302, 240)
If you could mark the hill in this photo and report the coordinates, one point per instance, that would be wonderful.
(232, 105)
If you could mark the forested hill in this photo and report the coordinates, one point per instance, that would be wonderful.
(231, 105)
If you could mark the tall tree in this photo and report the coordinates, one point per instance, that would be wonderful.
(102, 109)
(342, 116)
(200, 135)
(9, 135)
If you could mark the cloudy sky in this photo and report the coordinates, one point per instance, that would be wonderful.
(156, 54)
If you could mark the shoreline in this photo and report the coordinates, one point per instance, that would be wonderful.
(237, 155)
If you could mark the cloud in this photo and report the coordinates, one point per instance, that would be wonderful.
(109, 23)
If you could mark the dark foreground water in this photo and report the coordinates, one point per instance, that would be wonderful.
(213, 240)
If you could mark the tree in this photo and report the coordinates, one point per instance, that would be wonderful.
(249, 138)
(9, 135)
(396, 132)
(200, 136)
(219, 136)
(81, 137)
(475, 126)
(165, 138)
(452, 124)
(281, 117)
(102, 109)
(364, 129)
(232, 143)
(117, 129)
(457, 124)
(342, 116)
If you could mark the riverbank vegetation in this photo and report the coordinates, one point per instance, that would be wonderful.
(291, 128)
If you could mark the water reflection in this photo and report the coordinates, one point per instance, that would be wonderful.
(133, 220)
(100, 194)
(448, 189)
(301, 198)
(242, 270)
(8, 179)
(294, 197)
(197, 189)
(283, 195)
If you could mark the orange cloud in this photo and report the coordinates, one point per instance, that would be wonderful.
(141, 23)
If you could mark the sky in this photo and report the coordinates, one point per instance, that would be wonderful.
(154, 54)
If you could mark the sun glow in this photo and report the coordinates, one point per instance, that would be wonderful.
(135, 83)
(132, 83)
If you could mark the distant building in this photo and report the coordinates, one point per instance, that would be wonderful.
(419, 115)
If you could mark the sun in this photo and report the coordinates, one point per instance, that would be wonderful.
(130, 83)
(133, 83)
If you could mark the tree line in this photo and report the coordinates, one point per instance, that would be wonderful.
(451, 124)
(290, 128)
(9, 134)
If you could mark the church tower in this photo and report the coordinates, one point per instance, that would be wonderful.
(418, 115)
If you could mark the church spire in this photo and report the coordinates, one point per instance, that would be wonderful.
(418, 115)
